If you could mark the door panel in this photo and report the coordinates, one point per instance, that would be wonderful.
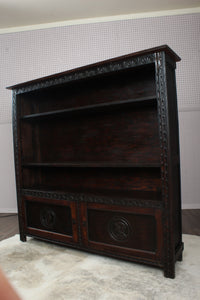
(122, 230)
(47, 218)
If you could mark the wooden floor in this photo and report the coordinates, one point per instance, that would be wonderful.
(190, 223)
(8, 225)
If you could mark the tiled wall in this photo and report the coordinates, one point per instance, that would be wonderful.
(32, 54)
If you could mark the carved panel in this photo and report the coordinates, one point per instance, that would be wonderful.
(48, 218)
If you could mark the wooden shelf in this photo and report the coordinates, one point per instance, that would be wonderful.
(92, 108)
(91, 165)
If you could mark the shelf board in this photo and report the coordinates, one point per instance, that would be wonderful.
(92, 165)
(92, 108)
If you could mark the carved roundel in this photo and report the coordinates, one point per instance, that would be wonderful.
(119, 229)
(48, 218)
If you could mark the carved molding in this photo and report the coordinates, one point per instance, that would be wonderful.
(92, 71)
(16, 145)
(162, 116)
(81, 197)
(17, 162)
(161, 90)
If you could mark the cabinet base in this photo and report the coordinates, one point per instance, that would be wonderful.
(168, 272)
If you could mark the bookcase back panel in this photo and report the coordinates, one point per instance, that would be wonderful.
(128, 84)
(95, 180)
(121, 136)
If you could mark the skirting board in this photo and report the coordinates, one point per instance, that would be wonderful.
(191, 206)
(8, 210)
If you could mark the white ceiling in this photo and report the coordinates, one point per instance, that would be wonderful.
(15, 13)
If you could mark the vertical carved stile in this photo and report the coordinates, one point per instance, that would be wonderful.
(17, 163)
(161, 90)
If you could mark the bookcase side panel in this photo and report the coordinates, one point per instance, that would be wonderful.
(17, 155)
(167, 116)
(174, 153)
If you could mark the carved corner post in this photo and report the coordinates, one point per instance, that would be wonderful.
(163, 117)
(17, 157)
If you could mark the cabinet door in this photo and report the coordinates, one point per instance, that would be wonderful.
(123, 231)
(50, 219)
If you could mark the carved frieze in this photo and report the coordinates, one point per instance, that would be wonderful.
(81, 197)
(91, 72)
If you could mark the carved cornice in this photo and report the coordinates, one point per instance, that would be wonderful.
(90, 72)
(81, 197)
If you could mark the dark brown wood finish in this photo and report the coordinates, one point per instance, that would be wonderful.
(126, 231)
(97, 158)
(190, 223)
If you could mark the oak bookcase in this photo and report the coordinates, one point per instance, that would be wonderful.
(97, 158)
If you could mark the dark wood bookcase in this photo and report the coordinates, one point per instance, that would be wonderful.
(97, 158)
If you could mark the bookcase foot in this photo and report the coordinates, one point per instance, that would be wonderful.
(169, 271)
(22, 237)
(180, 258)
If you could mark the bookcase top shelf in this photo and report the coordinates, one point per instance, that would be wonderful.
(163, 48)
(101, 107)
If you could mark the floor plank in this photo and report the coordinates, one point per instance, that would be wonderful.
(191, 221)
(8, 225)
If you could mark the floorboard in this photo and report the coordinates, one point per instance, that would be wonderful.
(191, 221)
(8, 225)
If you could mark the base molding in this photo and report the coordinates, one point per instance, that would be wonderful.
(8, 211)
(191, 206)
